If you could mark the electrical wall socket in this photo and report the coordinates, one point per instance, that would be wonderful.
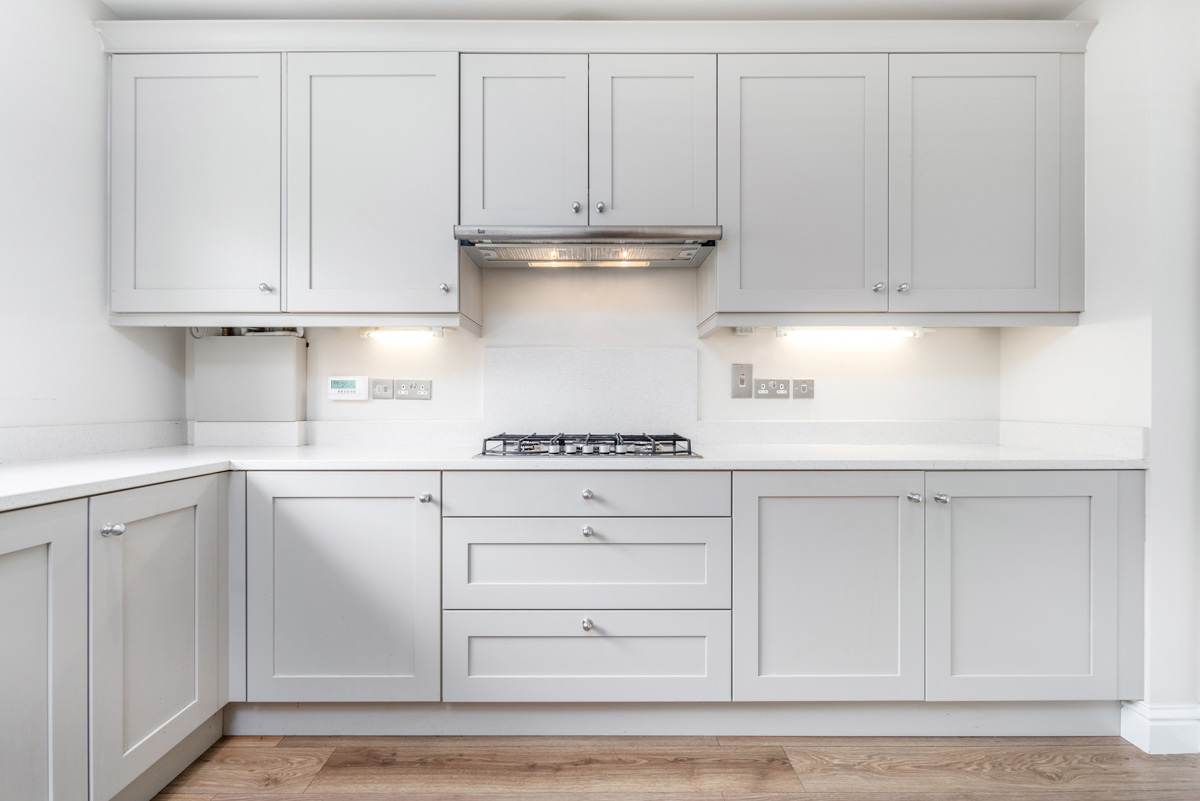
(414, 389)
(772, 388)
(803, 388)
(742, 385)
(381, 388)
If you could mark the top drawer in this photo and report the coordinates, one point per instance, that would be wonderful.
(580, 493)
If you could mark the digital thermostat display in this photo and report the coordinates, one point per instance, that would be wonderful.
(346, 387)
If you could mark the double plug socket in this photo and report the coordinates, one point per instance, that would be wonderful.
(401, 389)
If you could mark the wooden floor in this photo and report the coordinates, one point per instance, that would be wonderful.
(684, 769)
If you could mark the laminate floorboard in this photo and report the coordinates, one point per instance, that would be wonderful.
(228, 769)
(494, 741)
(918, 742)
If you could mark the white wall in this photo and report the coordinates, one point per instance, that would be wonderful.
(60, 362)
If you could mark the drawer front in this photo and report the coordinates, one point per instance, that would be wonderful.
(548, 656)
(619, 563)
(586, 493)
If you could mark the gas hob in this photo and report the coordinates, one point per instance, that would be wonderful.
(588, 445)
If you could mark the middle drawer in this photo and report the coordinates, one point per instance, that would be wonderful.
(571, 562)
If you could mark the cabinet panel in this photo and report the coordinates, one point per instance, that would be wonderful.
(372, 182)
(1022, 583)
(342, 587)
(555, 563)
(524, 150)
(803, 175)
(155, 655)
(195, 182)
(828, 589)
(653, 139)
(975, 182)
(43, 661)
(549, 656)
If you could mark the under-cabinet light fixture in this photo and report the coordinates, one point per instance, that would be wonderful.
(403, 336)
(848, 338)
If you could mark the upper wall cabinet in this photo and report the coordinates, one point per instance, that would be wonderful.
(195, 183)
(546, 141)
(975, 182)
(803, 155)
(372, 160)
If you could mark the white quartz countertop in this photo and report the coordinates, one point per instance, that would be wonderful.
(37, 482)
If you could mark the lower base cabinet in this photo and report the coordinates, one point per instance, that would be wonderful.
(155, 628)
(586, 655)
(342, 582)
(43, 653)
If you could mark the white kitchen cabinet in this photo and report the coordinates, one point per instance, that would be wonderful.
(372, 182)
(828, 586)
(652, 139)
(586, 655)
(524, 146)
(155, 627)
(195, 183)
(1023, 593)
(343, 594)
(43, 653)
(803, 175)
(976, 151)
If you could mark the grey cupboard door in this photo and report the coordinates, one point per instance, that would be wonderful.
(975, 173)
(372, 160)
(43, 653)
(1022, 586)
(524, 139)
(155, 657)
(653, 139)
(828, 586)
(343, 590)
(195, 179)
(802, 166)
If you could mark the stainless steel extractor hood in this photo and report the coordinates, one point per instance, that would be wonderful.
(588, 245)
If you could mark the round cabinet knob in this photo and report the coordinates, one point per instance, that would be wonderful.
(425, 497)
(902, 288)
(265, 287)
(445, 288)
(588, 531)
(600, 206)
(940, 498)
(576, 207)
(588, 495)
(915, 497)
(112, 529)
(588, 625)
(879, 287)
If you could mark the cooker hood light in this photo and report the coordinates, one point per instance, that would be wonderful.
(588, 245)
(848, 338)
(404, 336)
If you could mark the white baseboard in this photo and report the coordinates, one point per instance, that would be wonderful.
(1047, 719)
(1162, 729)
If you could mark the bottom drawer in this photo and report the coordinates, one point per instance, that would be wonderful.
(549, 656)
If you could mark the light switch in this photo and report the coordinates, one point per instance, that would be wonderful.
(803, 388)
(381, 388)
(742, 385)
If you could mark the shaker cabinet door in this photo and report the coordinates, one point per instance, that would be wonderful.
(653, 139)
(195, 183)
(524, 140)
(975, 182)
(803, 143)
(372, 182)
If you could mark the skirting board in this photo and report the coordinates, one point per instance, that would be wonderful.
(1047, 719)
(1158, 729)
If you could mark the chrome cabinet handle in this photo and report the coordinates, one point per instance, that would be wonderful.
(600, 206)
(915, 497)
(902, 288)
(425, 497)
(588, 625)
(588, 495)
(941, 498)
(879, 287)
(265, 287)
(445, 288)
(112, 529)
(576, 207)
(588, 531)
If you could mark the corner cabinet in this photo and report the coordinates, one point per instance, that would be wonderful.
(195, 216)
(343, 592)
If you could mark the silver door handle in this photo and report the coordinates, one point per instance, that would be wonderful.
(112, 529)
(576, 207)
(879, 287)
(588, 531)
(588, 495)
(445, 288)
(265, 287)
(915, 497)
(600, 206)
(425, 497)
(588, 625)
(902, 288)
(941, 498)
